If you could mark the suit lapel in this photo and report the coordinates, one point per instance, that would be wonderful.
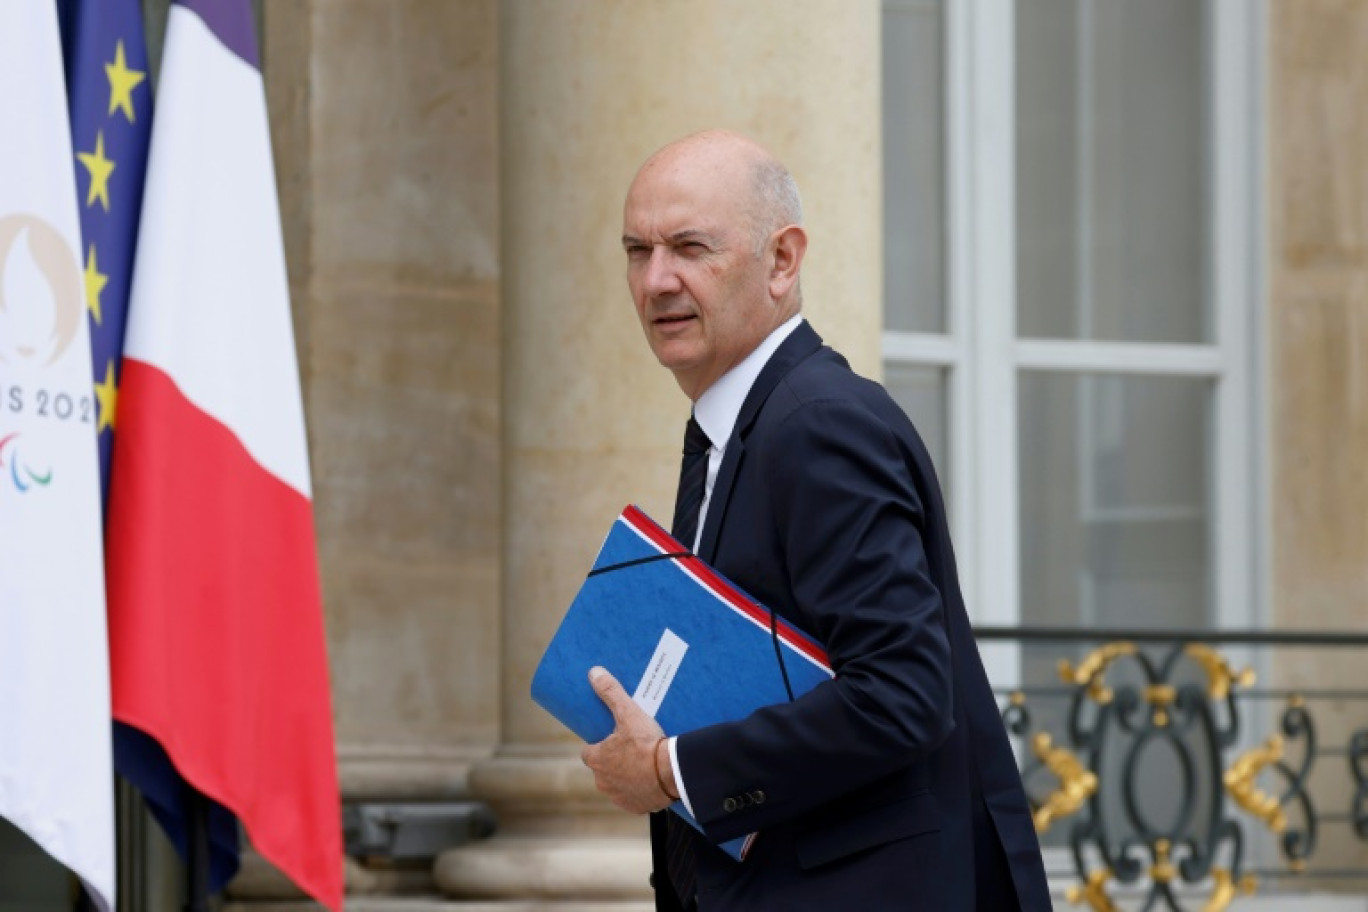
(800, 343)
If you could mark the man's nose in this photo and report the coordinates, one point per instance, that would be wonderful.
(661, 277)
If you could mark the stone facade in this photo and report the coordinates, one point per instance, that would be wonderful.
(385, 123)
(480, 402)
(1317, 327)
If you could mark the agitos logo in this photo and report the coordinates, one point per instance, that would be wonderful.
(21, 474)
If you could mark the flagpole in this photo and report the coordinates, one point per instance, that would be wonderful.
(197, 851)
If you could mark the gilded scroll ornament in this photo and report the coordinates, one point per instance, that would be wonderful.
(1224, 889)
(1090, 671)
(1076, 782)
(1094, 892)
(1240, 785)
(1220, 676)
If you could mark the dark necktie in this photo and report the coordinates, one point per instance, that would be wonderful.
(693, 478)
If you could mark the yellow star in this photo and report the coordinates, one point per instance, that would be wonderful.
(122, 82)
(95, 281)
(100, 168)
(108, 395)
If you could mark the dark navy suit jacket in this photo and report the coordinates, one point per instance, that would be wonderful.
(893, 786)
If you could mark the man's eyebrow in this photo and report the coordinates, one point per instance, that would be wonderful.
(679, 237)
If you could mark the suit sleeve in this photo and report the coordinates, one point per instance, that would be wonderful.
(849, 523)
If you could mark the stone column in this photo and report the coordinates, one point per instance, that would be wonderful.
(384, 119)
(591, 421)
(1318, 347)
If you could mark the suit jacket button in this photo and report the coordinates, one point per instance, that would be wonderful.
(759, 796)
(729, 805)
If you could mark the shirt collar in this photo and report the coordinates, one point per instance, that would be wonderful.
(720, 405)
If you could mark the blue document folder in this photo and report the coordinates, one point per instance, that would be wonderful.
(691, 647)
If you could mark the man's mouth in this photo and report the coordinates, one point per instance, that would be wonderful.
(673, 319)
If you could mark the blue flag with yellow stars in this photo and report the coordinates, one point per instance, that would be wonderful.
(110, 95)
(109, 88)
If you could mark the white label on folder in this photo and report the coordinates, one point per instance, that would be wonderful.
(655, 683)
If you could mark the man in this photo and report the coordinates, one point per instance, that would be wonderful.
(893, 785)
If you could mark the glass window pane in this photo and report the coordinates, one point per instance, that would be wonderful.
(914, 244)
(1115, 501)
(923, 394)
(1111, 178)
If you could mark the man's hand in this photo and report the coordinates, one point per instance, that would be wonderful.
(624, 763)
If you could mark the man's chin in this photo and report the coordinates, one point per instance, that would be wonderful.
(684, 366)
(676, 354)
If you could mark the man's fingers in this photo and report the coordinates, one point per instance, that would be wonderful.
(609, 691)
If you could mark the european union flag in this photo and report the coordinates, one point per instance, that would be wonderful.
(109, 87)
(110, 94)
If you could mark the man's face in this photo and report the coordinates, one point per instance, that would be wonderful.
(701, 293)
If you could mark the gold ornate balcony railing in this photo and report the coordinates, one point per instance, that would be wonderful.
(1175, 781)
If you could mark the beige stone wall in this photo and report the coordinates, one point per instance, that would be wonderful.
(385, 121)
(1318, 332)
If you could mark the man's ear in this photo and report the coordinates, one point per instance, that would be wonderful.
(789, 245)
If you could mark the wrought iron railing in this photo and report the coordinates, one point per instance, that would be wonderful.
(1174, 782)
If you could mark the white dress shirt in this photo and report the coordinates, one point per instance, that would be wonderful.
(716, 412)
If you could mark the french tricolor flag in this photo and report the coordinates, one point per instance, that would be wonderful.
(216, 629)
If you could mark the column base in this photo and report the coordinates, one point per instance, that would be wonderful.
(538, 867)
(558, 838)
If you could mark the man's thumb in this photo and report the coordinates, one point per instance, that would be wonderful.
(607, 688)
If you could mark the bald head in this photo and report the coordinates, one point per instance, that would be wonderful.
(766, 190)
(714, 249)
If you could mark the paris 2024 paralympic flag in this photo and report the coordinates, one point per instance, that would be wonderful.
(216, 630)
(56, 771)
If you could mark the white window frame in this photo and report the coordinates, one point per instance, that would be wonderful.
(983, 357)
